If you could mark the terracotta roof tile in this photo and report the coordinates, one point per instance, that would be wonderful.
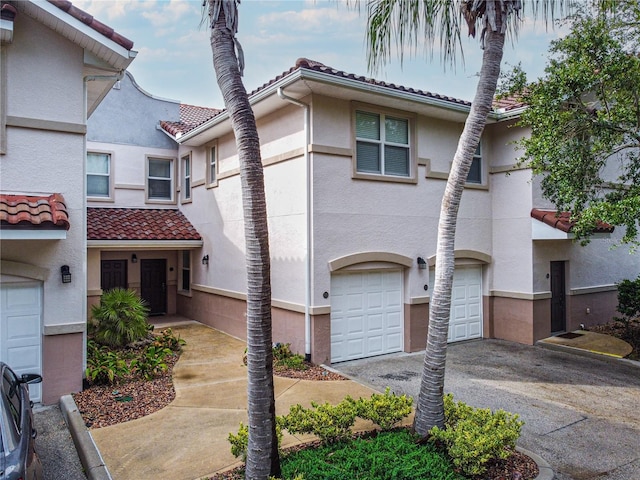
(508, 103)
(84, 17)
(562, 221)
(33, 211)
(190, 117)
(138, 224)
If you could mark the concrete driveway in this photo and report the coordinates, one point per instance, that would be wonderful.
(582, 414)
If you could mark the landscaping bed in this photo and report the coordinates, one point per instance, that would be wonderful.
(631, 335)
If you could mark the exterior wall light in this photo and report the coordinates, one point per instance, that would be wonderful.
(134, 258)
(65, 274)
(422, 265)
(205, 260)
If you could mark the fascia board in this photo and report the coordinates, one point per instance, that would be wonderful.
(145, 244)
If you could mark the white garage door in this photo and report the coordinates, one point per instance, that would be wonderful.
(366, 314)
(20, 335)
(466, 304)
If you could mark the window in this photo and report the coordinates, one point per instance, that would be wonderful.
(98, 175)
(382, 144)
(160, 179)
(212, 166)
(186, 271)
(475, 173)
(186, 177)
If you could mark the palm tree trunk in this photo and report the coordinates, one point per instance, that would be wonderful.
(430, 406)
(262, 453)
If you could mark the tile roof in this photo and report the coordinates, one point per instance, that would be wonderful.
(84, 17)
(49, 212)
(138, 224)
(190, 117)
(508, 103)
(562, 221)
(201, 115)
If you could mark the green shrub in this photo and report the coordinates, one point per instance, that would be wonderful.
(283, 357)
(628, 301)
(152, 362)
(167, 339)
(240, 441)
(120, 318)
(473, 436)
(328, 422)
(104, 366)
(385, 410)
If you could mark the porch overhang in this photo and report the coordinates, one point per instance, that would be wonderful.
(115, 245)
(552, 225)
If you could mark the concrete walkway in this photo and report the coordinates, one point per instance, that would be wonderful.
(188, 439)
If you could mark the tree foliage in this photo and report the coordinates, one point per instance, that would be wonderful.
(584, 116)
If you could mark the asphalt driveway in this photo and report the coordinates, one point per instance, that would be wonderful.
(582, 414)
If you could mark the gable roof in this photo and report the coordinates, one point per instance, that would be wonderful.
(190, 117)
(139, 224)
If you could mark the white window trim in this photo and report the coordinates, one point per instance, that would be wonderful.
(482, 184)
(215, 162)
(413, 162)
(186, 194)
(181, 290)
(111, 195)
(172, 172)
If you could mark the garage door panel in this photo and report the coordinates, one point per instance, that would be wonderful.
(379, 311)
(355, 325)
(466, 304)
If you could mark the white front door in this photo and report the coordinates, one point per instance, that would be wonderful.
(366, 314)
(20, 330)
(466, 304)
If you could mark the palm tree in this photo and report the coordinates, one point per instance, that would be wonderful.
(262, 452)
(409, 22)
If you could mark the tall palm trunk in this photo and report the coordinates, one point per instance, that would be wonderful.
(262, 454)
(430, 407)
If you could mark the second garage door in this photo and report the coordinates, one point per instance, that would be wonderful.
(366, 314)
(466, 304)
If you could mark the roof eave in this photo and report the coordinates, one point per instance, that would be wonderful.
(145, 244)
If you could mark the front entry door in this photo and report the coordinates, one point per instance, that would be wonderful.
(113, 274)
(153, 285)
(558, 298)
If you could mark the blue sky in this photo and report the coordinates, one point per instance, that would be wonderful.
(174, 54)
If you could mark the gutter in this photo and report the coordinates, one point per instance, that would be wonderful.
(309, 229)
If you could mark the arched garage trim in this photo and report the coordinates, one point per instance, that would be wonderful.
(467, 255)
(23, 270)
(366, 257)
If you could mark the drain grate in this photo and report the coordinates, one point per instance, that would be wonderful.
(570, 335)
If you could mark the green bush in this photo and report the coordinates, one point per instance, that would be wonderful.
(328, 422)
(385, 410)
(628, 301)
(473, 436)
(283, 357)
(240, 441)
(105, 366)
(120, 318)
(167, 339)
(152, 362)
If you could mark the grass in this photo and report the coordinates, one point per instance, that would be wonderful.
(371, 458)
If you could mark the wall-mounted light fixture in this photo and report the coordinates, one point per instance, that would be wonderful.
(422, 265)
(65, 274)
(205, 260)
(134, 258)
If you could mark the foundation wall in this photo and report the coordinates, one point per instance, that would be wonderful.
(416, 324)
(511, 319)
(591, 309)
(62, 366)
(321, 339)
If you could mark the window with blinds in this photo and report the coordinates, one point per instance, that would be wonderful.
(382, 144)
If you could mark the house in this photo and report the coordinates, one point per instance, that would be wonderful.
(56, 64)
(354, 172)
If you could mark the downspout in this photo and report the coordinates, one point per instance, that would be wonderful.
(307, 264)
(88, 78)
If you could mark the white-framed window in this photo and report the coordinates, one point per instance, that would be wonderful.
(99, 175)
(212, 165)
(186, 177)
(160, 179)
(383, 144)
(475, 172)
(185, 277)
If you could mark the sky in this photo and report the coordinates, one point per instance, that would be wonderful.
(174, 58)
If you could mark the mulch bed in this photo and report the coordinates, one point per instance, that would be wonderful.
(618, 330)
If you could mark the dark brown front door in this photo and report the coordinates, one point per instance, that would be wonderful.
(113, 274)
(153, 285)
(558, 298)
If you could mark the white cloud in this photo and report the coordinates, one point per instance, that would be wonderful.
(311, 20)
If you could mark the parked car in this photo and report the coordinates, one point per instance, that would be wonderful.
(18, 458)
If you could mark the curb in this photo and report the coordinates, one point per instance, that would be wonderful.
(545, 472)
(90, 457)
(587, 353)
